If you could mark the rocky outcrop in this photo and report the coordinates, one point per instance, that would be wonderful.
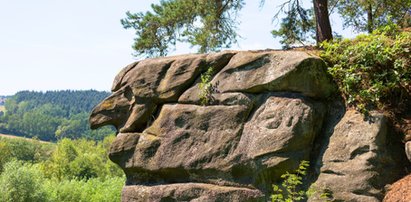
(360, 159)
(269, 111)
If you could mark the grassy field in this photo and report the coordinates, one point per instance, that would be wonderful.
(2, 108)
(18, 137)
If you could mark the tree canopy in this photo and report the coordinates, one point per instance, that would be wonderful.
(52, 115)
(211, 25)
(367, 15)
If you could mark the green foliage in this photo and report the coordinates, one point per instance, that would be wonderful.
(80, 159)
(297, 27)
(371, 14)
(289, 191)
(52, 115)
(205, 86)
(21, 182)
(372, 71)
(23, 150)
(207, 24)
(72, 170)
(92, 190)
(71, 101)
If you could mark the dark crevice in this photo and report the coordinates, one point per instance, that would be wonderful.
(153, 116)
(183, 87)
(359, 151)
(203, 69)
(163, 73)
(361, 192)
(333, 172)
(256, 63)
(335, 112)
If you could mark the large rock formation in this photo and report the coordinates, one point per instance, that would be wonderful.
(268, 111)
(360, 159)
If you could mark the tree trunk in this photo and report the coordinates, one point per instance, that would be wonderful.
(370, 23)
(218, 14)
(323, 26)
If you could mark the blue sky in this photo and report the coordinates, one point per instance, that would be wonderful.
(80, 44)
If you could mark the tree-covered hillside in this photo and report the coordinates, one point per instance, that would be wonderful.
(52, 115)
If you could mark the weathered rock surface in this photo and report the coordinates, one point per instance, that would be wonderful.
(399, 191)
(360, 159)
(257, 72)
(269, 111)
(196, 192)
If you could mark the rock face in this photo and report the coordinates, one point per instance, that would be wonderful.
(269, 111)
(360, 157)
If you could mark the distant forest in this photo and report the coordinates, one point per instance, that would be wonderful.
(52, 115)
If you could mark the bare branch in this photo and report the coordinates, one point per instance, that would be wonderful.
(281, 10)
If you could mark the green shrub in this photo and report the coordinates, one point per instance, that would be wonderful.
(81, 159)
(372, 71)
(92, 190)
(20, 182)
(21, 149)
(72, 170)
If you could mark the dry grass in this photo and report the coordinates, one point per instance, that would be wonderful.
(2, 109)
(23, 138)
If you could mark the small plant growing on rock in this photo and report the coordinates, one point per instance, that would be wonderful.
(206, 88)
(289, 190)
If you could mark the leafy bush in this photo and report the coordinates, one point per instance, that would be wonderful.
(72, 170)
(20, 182)
(24, 150)
(81, 159)
(372, 71)
(24, 182)
(92, 190)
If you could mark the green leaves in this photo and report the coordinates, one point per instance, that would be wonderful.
(206, 88)
(372, 71)
(289, 190)
(72, 170)
(80, 159)
(297, 27)
(21, 182)
(371, 14)
(210, 25)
